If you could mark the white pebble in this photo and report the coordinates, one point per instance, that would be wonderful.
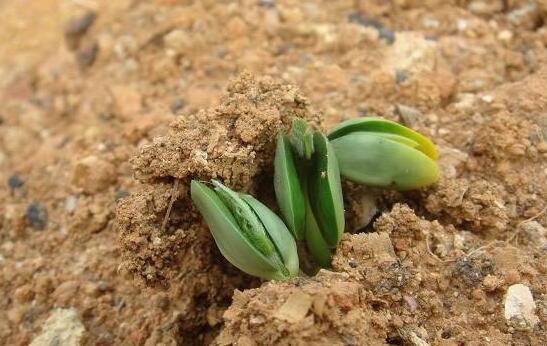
(519, 308)
(505, 36)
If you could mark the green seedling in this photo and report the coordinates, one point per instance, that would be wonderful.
(248, 234)
(308, 189)
(378, 152)
(307, 170)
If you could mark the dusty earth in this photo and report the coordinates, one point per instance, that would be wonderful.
(109, 108)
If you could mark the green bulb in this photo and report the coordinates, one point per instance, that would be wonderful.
(248, 234)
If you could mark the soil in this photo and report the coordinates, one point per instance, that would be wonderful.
(109, 108)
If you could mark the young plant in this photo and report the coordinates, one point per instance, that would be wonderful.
(378, 152)
(308, 189)
(248, 234)
(307, 171)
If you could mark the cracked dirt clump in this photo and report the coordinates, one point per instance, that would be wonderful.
(233, 142)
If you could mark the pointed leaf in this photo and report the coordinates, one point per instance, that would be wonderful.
(325, 191)
(318, 248)
(288, 190)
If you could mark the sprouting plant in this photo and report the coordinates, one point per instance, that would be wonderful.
(379, 152)
(248, 234)
(307, 170)
(308, 190)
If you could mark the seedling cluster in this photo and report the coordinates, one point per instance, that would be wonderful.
(307, 170)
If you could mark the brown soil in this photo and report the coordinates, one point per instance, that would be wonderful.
(105, 117)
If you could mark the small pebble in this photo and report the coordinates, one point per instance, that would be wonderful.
(177, 105)
(446, 334)
(77, 27)
(537, 234)
(71, 202)
(411, 302)
(487, 98)
(387, 34)
(505, 36)
(520, 308)
(36, 216)
(409, 116)
(384, 33)
(356, 17)
(14, 182)
(87, 53)
(121, 193)
(266, 3)
(400, 76)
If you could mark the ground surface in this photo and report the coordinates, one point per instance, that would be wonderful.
(101, 128)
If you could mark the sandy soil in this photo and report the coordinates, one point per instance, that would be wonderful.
(109, 108)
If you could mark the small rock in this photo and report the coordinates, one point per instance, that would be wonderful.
(63, 327)
(177, 105)
(266, 3)
(384, 33)
(465, 102)
(177, 40)
(535, 232)
(484, 8)
(451, 160)
(36, 216)
(87, 53)
(295, 308)
(121, 193)
(411, 302)
(409, 116)
(77, 27)
(446, 334)
(519, 308)
(505, 36)
(400, 76)
(71, 202)
(14, 182)
(387, 34)
(364, 20)
(411, 52)
(365, 209)
(93, 174)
